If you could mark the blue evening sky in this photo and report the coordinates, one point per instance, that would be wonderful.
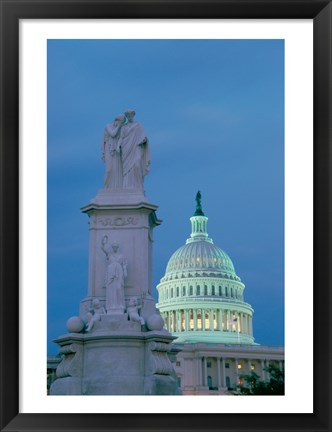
(213, 111)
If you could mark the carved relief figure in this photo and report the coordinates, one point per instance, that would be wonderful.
(113, 166)
(133, 311)
(135, 155)
(116, 273)
(95, 313)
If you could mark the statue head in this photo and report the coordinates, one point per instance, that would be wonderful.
(115, 246)
(130, 114)
(96, 303)
(120, 118)
(133, 301)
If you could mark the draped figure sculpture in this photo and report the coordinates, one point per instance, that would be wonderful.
(113, 166)
(116, 273)
(135, 155)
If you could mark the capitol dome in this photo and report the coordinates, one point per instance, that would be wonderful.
(200, 296)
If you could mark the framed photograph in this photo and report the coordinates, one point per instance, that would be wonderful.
(172, 60)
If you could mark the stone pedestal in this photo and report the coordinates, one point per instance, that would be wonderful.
(115, 358)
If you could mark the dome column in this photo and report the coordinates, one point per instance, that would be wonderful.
(186, 320)
(251, 332)
(176, 327)
(195, 319)
(212, 319)
(228, 315)
(219, 319)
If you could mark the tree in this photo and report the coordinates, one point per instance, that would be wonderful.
(254, 386)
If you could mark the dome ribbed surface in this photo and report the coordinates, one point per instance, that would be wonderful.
(200, 256)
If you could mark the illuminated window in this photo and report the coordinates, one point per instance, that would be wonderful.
(182, 320)
(207, 320)
(191, 321)
(252, 367)
(239, 366)
(198, 259)
(199, 320)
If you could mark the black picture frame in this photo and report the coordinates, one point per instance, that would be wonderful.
(14, 10)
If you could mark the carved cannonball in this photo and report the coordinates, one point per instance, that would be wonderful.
(155, 322)
(75, 324)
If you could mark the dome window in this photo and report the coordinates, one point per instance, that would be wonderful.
(213, 290)
(183, 291)
(198, 290)
(199, 320)
(191, 290)
(205, 290)
(207, 320)
(177, 292)
(191, 321)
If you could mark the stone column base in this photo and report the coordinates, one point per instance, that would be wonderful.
(106, 362)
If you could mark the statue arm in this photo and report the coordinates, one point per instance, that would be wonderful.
(113, 129)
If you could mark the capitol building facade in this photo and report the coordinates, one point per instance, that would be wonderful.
(201, 299)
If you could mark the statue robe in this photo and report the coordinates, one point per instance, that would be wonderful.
(135, 155)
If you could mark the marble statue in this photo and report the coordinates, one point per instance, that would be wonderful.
(116, 273)
(133, 311)
(135, 155)
(113, 165)
(95, 313)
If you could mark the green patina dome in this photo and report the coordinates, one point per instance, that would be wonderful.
(200, 296)
(200, 255)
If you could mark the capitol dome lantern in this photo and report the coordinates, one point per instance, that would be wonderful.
(200, 296)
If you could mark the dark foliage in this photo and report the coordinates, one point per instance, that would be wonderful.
(254, 386)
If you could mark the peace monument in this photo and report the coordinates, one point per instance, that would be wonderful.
(117, 345)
